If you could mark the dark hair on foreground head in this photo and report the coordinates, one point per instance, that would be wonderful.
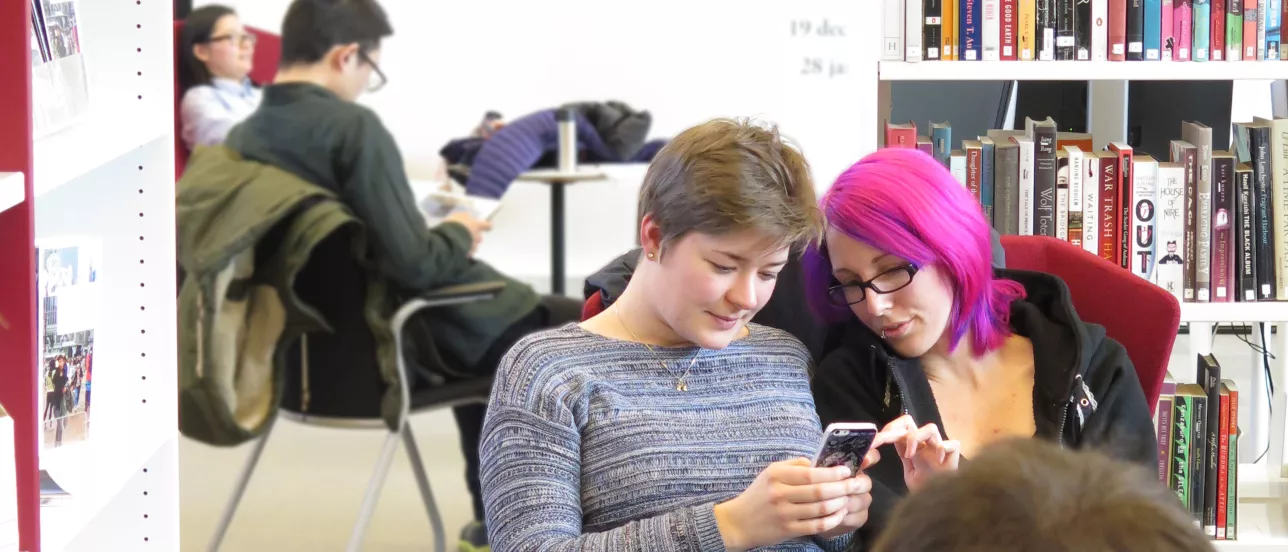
(725, 176)
(312, 27)
(1030, 495)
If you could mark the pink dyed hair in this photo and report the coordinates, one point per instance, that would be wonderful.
(903, 202)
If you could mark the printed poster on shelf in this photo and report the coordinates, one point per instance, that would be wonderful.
(68, 291)
(59, 88)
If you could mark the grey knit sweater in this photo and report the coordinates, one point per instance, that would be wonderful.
(589, 446)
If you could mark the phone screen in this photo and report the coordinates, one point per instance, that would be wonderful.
(846, 448)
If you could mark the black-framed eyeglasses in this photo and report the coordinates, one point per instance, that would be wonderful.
(889, 281)
(236, 39)
(377, 79)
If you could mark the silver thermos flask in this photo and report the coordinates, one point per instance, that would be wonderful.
(567, 140)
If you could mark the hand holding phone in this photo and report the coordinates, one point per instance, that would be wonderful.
(847, 444)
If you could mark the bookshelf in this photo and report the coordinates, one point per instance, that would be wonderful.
(1081, 70)
(102, 182)
(1263, 487)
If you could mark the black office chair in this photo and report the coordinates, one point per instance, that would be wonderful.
(333, 380)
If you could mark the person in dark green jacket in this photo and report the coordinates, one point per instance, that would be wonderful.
(308, 124)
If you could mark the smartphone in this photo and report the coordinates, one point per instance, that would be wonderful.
(845, 444)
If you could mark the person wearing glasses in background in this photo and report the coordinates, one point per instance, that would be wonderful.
(935, 335)
(309, 124)
(215, 56)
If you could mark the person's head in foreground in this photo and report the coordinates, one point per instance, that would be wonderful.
(724, 204)
(213, 44)
(334, 44)
(1028, 495)
(907, 251)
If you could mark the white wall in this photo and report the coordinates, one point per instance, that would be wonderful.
(684, 61)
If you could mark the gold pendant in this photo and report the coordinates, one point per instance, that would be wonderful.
(681, 386)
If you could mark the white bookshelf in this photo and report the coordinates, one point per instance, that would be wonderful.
(1263, 500)
(1081, 70)
(110, 177)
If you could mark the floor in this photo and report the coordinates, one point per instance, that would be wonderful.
(308, 487)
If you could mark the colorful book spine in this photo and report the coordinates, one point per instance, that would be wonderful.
(1202, 17)
(969, 14)
(1183, 27)
(1234, 30)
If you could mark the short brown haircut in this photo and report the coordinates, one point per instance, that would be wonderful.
(726, 176)
(1028, 494)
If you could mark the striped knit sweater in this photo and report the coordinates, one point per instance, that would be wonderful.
(589, 446)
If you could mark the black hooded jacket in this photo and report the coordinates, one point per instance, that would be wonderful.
(1085, 393)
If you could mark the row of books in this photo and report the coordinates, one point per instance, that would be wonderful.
(1089, 30)
(1197, 426)
(1202, 224)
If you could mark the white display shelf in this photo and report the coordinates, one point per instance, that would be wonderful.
(1264, 311)
(1081, 70)
(78, 150)
(12, 190)
(93, 473)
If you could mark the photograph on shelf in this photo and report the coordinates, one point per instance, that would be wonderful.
(69, 300)
(59, 83)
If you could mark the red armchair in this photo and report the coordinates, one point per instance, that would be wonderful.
(1136, 313)
(268, 51)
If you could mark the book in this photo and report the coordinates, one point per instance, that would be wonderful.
(69, 299)
(438, 205)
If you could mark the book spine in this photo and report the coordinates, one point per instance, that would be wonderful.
(1223, 466)
(1026, 206)
(986, 180)
(1065, 41)
(1028, 46)
(942, 143)
(1109, 208)
(1044, 179)
(1217, 25)
(969, 31)
(1010, 30)
(1062, 198)
(931, 37)
(1153, 32)
(1075, 171)
(1198, 453)
(912, 32)
(893, 12)
(1171, 230)
(1232, 488)
(1234, 30)
(948, 31)
(1203, 204)
(1144, 199)
(1117, 30)
(1082, 25)
(1250, 29)
(1091, 203)
(1005, 215)
(1246, 241)
(1167, 32)
(1265, 247)
(1163, 431)
(1135, 30)
(1202, 35)
(991, 30)
(1099, 30)
(1046, 29)
(973, 171)
(1189, 160)
(1212, 385)
(1222, 238)
(1182, 27)
(1180, 480)
(1126, 176)
(1279, 189)
(1273, 14)
(1262, 7)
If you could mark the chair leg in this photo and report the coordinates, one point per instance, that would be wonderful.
(373, 490)
(242, 481)
(426, 494)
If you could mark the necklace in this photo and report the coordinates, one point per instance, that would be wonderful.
(680, 384)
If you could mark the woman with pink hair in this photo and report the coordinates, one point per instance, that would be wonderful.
(935, 336)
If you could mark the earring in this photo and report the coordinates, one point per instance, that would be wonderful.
(883, 335)
(651, 256)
